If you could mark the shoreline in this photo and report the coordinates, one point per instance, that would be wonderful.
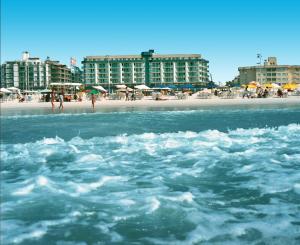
(148, 103)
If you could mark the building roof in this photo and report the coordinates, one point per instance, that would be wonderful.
(104, 57)
(269, 66)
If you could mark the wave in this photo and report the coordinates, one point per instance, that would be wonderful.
(162, 111)
(222, 186)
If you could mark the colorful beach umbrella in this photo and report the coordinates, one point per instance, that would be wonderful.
(269, 85)
(94, 91)
(290, 86)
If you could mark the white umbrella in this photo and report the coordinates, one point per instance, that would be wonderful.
(275, 85)
(142, 87)
(4, 90)
(13, 89)
(120, 86)
(100, 88)
(30, 91)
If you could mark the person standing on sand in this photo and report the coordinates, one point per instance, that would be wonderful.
(93, 100)
(127, 95)
(52, 98)
(61, 99)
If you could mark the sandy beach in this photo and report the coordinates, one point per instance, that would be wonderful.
(147, 102)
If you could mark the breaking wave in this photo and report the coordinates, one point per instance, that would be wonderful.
(239, 186)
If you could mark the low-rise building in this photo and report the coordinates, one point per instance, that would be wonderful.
(148, 68)
(270, 72)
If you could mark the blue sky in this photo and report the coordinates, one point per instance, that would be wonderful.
(227, 33)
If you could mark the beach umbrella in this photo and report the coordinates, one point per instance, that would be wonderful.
(290, 86)
(100, 88)
(252, 85)
(4, 90)
(142, 87)
(121, 86)
(13, 89)
(94, 91)
(269, 85)
(275, 85)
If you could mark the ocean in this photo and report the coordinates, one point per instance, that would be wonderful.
(211, 176)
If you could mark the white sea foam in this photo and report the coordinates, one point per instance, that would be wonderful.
(42, 181)
(185, 197)
(90, 158)
(24, 191)
(196, 175)
(52, 141)
(85, 188)
(127, 202)
(36, 234)
(154, 204)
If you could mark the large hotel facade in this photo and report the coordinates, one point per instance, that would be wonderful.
(148, 68)
(270, 72)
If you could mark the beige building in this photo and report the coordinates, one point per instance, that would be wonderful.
(270, 72)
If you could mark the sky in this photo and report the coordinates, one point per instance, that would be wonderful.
(228, 33)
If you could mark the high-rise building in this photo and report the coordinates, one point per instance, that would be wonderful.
(32, 73)
(148, 68)
(270, 72)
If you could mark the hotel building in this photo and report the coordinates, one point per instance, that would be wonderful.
(148, 68)
(32, 73)
(270, 72)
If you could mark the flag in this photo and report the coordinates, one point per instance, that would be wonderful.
(73, 61)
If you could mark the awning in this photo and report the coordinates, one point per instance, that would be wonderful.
(185, 86)
(162, 88)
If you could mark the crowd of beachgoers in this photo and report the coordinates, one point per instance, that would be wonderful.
(124, 93)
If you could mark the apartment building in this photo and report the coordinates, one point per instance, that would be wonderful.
(31, 73)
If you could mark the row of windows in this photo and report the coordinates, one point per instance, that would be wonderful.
(158, 64)
(272, 74)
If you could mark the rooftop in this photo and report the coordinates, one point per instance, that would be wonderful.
(104, 57)
(269, 66)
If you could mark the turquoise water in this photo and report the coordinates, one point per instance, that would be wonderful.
(211, 176)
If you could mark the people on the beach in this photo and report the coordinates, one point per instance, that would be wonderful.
(246, 92)
(133, 95)
(279, 93)
(93, 100)
(127, 94)
(52, 98)
(61, 99)
(266, 93)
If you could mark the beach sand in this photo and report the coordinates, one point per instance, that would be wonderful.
(148, 102)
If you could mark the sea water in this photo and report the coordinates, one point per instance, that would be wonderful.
(210, 176)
